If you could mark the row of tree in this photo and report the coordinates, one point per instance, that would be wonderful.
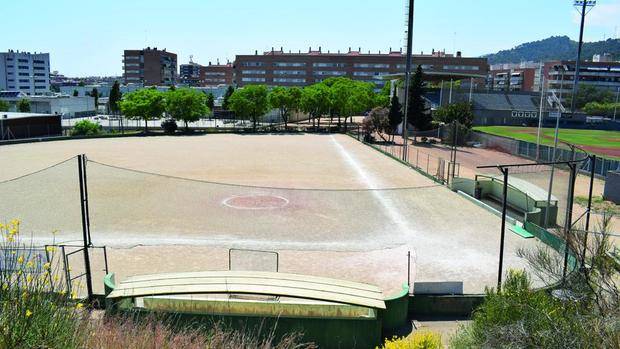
(184, 104)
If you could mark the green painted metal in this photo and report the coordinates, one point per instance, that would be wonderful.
(397, 310)
(517, 229)
(444, 305)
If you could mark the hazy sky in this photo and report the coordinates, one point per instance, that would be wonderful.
(88, 37)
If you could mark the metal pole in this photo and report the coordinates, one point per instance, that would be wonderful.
(503, 234)
(555, 147)
(471, 88)
(590, 192)
(616, 105)
(408, 74)
(85, 232)
(409, 270)
(578, 62)
(450, 96)
(540, 113)
(568, 221)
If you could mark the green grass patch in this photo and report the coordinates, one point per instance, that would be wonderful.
(587, 138)
(599, 205)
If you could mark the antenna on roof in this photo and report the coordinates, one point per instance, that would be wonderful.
(191, 58)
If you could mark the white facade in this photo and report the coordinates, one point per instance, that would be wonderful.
(66, 106)
(25, 72)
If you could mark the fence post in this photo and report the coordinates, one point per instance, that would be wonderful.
(409, 270)
(428, 160)
(501, 246)
(85, 224)
(585, 237)
(568, 220)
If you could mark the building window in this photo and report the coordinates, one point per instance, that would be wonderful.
(38, 61)
(40, 87)
(24, 80)
(11, 86)
(215, 74)
(255, 72)
(289, 80)
(132, 57)
(21, 60)
(289, 64)
(371, 65)
(9, 59)
(38, 68)
(427, 67)
(289, 72)
(132, 64)
(42, 81)
(328, 65)
(39, 74)
(23, 74)
(330, 72)
(24, 87)
(253, 64)
(11, 80)
(22, 67)
(132, 71)
(10, 66)
(253, 79)
(461, 67)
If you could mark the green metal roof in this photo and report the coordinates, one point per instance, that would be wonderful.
(251, 282)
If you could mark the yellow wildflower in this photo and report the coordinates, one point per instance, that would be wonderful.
(5, 287)
(50, 248)
(20, 259)
(28, 313)
(47, 266)
(73, 294)
(15, 222)
(30, 264)
(29, 278)
(56, 277)
(10, 238)
(79, 306)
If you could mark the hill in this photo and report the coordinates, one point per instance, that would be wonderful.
(554, 48)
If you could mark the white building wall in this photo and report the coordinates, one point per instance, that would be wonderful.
(24, 71)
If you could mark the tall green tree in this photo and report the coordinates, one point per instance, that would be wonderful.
(4, 106)
(250, 102)
(395, 115)
(115, 97)
(225, 103)
(95, 94)
(75, 93)
(210, 101)
(23, 106)
(461, 112)
(186, 105)
(315, 100)
(418, 114)
(145, 104)
(286, 100)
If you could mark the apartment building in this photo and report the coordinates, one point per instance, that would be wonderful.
(560, 75)
(301, 69)
(25, 72)
(150, 67)
(194, 74)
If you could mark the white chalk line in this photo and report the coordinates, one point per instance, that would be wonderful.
(389, 209)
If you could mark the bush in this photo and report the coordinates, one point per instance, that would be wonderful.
(169, 126)
(418, 340)
(86, 128)
(35, 309)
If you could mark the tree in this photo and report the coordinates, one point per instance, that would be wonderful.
(225, 103)
(115, 97)
(210, 101)
(94, 93)
(4, 106)
(75, 93)
(461, 112)
(395, 115)
(145, 104)
(382, 99)
(588, 93)
(349, 97)
(376, 121)
(285, 100)
(250, 102)
(315, 100)
(23, 106)
(417, 113)
(172, 88)
(186, 105)
(601, 109)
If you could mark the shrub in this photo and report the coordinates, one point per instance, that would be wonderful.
(418, 340)
(85, 128)
(35, 310)
(169, 126)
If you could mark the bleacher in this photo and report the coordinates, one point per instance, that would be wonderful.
(522, 102)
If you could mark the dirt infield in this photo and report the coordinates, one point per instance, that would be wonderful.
(328, 204)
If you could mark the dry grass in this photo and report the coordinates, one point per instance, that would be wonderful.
(150, 333)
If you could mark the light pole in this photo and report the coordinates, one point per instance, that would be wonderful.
(583, 7)
(616, 105)
(408, 76)
(540, 113)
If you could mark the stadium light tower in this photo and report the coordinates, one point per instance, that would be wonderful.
(583, 7)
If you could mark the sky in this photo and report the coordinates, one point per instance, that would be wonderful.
(87, 38)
